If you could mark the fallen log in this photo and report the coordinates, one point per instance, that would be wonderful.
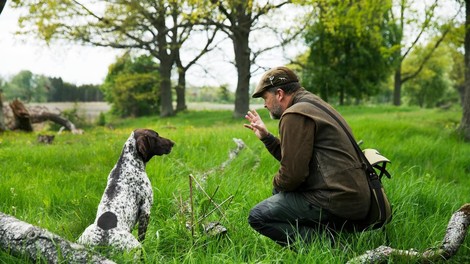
(45, 116)
(454, 237)
(24, 118)
(21, 239)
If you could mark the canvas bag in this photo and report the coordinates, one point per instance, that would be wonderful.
(380, 212)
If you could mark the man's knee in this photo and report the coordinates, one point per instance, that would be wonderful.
(257, 216)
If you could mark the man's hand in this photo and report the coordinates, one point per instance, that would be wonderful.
(256, 124)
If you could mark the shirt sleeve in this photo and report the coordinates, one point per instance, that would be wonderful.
(273, 145)
(297, 134)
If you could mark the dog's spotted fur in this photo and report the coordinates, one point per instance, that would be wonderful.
(128, 195)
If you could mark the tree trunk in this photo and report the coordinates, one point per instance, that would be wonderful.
(465, 122)
(21, 239)
(242, 62)
(166, 99)
(2, 116)
(397, 87)
(180, 91)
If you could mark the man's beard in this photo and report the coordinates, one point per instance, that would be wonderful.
(276, 112)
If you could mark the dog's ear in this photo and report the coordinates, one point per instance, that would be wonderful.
(143, 147)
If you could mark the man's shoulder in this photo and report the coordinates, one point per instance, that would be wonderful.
(304, 109)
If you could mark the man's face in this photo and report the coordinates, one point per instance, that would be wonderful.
(271, 102)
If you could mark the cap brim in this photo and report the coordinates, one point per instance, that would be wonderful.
(257, 95)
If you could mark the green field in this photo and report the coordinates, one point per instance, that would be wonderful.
(58, 186)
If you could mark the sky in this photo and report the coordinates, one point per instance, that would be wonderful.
(80, 64)
(89, 65)
(75, 64)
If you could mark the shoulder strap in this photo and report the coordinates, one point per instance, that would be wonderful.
(373, 179)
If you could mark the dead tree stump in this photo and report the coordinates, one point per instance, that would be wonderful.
(21, 114)
(19, 238)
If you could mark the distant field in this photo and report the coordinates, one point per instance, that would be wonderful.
(90, 110)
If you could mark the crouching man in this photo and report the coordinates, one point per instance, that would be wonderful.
(320, 175)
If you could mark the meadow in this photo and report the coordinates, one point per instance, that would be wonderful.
(58, 186)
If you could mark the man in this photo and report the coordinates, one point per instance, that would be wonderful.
(320, 177)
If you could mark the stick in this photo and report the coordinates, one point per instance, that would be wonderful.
(210, 198)
(216, 207)
(191, 203)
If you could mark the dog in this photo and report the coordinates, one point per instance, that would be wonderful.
(128, 196)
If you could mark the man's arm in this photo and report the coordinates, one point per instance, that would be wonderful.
(297, 137)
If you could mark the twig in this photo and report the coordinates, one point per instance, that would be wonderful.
(191, 201)
(216, 208)
(210, 198)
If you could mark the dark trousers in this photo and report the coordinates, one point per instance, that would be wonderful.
(285, 217)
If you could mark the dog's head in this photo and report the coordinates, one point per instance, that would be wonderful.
(149, 144)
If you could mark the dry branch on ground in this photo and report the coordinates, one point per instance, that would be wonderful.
(454, 237)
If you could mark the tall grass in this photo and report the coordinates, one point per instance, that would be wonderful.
(58, 186)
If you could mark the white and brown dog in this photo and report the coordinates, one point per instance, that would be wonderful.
(128, 196)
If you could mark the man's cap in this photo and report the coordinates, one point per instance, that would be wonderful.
(273, 78)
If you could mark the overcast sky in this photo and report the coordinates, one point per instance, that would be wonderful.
(89, 65)
(79, 65)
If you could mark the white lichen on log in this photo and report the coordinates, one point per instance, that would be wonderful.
(454, 237)
(22, 239)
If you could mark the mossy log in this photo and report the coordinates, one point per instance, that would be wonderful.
(21, 239)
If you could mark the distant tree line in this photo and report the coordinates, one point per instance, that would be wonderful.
(30, 87)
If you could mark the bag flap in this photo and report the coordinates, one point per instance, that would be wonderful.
(374, 156)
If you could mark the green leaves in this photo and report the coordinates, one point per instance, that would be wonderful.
(131, 86)
(346, 49)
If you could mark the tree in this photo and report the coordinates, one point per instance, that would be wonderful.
(2, 116)
(154, 27)
(238, 19)
(465, 122)
(428, 88)
(131, 86)
(2, 5)
(183, 68)
(349, 49)
(27, 86)
(424, 27)
(455, 44)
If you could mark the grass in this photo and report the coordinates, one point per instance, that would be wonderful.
(58, 186)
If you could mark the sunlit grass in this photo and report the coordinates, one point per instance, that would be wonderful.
(58, 186)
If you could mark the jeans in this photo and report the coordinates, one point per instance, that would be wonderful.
(285, 217)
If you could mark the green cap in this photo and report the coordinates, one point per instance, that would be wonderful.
(273, 78)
